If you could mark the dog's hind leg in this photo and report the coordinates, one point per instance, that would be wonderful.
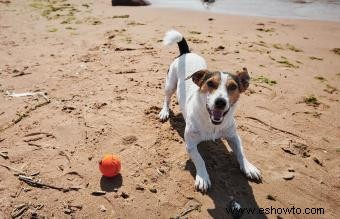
(170, 88)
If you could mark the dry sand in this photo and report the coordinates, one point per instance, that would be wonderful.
(104, 77)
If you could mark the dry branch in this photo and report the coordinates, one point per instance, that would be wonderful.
(277, 129)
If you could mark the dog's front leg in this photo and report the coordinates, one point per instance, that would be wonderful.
(249, 169)
(202, 181)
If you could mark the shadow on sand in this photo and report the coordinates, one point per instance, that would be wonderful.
(111, 184)
(227, 180)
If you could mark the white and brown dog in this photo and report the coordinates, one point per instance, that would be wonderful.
(207, 102)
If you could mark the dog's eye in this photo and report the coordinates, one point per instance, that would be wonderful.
(232, 87)
(211, 84)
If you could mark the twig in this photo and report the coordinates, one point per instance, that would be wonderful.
(39, 133)
(266, 124)
(32, 139)
(133, 71)
(98, 193)
(260, 85)
(19, 210)
(13, 169)
(25, 114)
(62, 153)
(35, 183)
(35, 145)
(190, 209)
(21, 74)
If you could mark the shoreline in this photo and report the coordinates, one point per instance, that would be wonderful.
(240, 15)
(277, 9)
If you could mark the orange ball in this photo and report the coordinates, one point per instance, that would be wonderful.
(110, 165)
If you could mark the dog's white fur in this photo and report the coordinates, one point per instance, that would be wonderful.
(193, 107)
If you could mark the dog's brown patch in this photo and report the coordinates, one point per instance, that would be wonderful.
(211, 82)
(233, 90)
(206, 80)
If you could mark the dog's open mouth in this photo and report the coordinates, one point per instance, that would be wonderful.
(216, 115)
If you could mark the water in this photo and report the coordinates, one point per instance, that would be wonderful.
(311, 9)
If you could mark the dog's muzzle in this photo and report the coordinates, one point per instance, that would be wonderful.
(217, 115)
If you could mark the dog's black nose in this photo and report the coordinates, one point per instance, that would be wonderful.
(220, 103)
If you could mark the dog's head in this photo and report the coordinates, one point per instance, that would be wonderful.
(220, 90)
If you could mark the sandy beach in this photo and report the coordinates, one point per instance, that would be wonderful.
(100, 72)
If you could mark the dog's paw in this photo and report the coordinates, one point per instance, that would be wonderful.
(250, 171)
(164, 114)
(202, 182)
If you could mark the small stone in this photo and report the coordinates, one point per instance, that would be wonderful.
(140, 187)
(270, 197)
(102, 208)
(316, 160)
(291, 169)
(67, 211)
(153, 190)
(288, 176)
(124, 195)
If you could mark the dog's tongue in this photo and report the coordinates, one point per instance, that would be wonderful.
(217, 115)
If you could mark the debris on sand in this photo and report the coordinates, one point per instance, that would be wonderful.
(270, 197)
(191, 205)
(102, 208)
(311, 100)
(287, 150)
(36, 183)
(336, 51)
(4, 154)
(127, 140)
(153, 190)
(26, 94)
(124, 195)
(288, 176)
(132, 71)
(140, 187)
(121, 16)
(98, 193)
(316, 160)
(19, 210)
(12, 169)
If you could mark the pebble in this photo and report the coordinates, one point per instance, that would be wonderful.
(124, 195)
(140, 187)
(316, 160)
(291, 169)
(102, 208)
(153, 190)
(270, 197)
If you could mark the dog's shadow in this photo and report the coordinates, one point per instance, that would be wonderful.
(227, 180)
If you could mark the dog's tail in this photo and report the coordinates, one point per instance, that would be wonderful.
(174, 36)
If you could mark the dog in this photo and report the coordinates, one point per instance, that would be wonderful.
(207, 100)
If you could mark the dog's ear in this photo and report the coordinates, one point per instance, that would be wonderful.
(243, 79)
(198, 77)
